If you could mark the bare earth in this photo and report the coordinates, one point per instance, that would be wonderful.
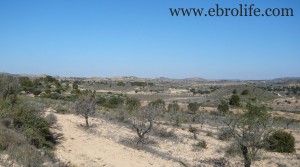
(85, 149)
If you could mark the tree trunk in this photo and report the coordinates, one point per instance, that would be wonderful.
(247, 160)
(87, 121)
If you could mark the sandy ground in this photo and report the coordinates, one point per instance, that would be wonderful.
(103, 145)
(83, 148)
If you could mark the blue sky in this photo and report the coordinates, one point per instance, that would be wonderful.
(105, 38)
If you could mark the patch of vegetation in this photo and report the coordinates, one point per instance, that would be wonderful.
(193, 107)
(25, 133)
(245, 92)
(235, 100)
(18, 149)
(113, 102)
(164, 132)
(281, 141)
(158, 102)
(132, 104)
(201, 144)
(223, 107)
(174, 115)
(193, 130)
(141, 84)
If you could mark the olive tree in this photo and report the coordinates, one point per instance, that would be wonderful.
(249, 130)
(85, 105)
(143, 122)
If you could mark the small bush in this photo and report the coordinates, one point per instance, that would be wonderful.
(35, 128)
(234, 100)
(193, 130)
(132, 104)
(164, 132)
(158, 102)
(223, 107)
(114, 102)
(193, 107)
(281, 141)
(201, 144)
(100, 100)
(245, 92)
(51, 119)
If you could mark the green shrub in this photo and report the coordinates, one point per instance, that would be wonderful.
(157, 102)
(114, 102)
(173, 107)
(234, 100)
(132, 104)
(100, 100)
(193, 107)
(245, 92)
(281, 141)
(37, 92)
(121, 84)
(193, 130)
(223, 107)
(201, 144)
(34, 126)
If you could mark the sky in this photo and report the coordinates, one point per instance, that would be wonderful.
(106, 38)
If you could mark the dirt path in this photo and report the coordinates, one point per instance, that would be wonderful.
(81, 148)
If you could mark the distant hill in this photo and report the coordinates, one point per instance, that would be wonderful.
(197, 79)
(287, 79)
